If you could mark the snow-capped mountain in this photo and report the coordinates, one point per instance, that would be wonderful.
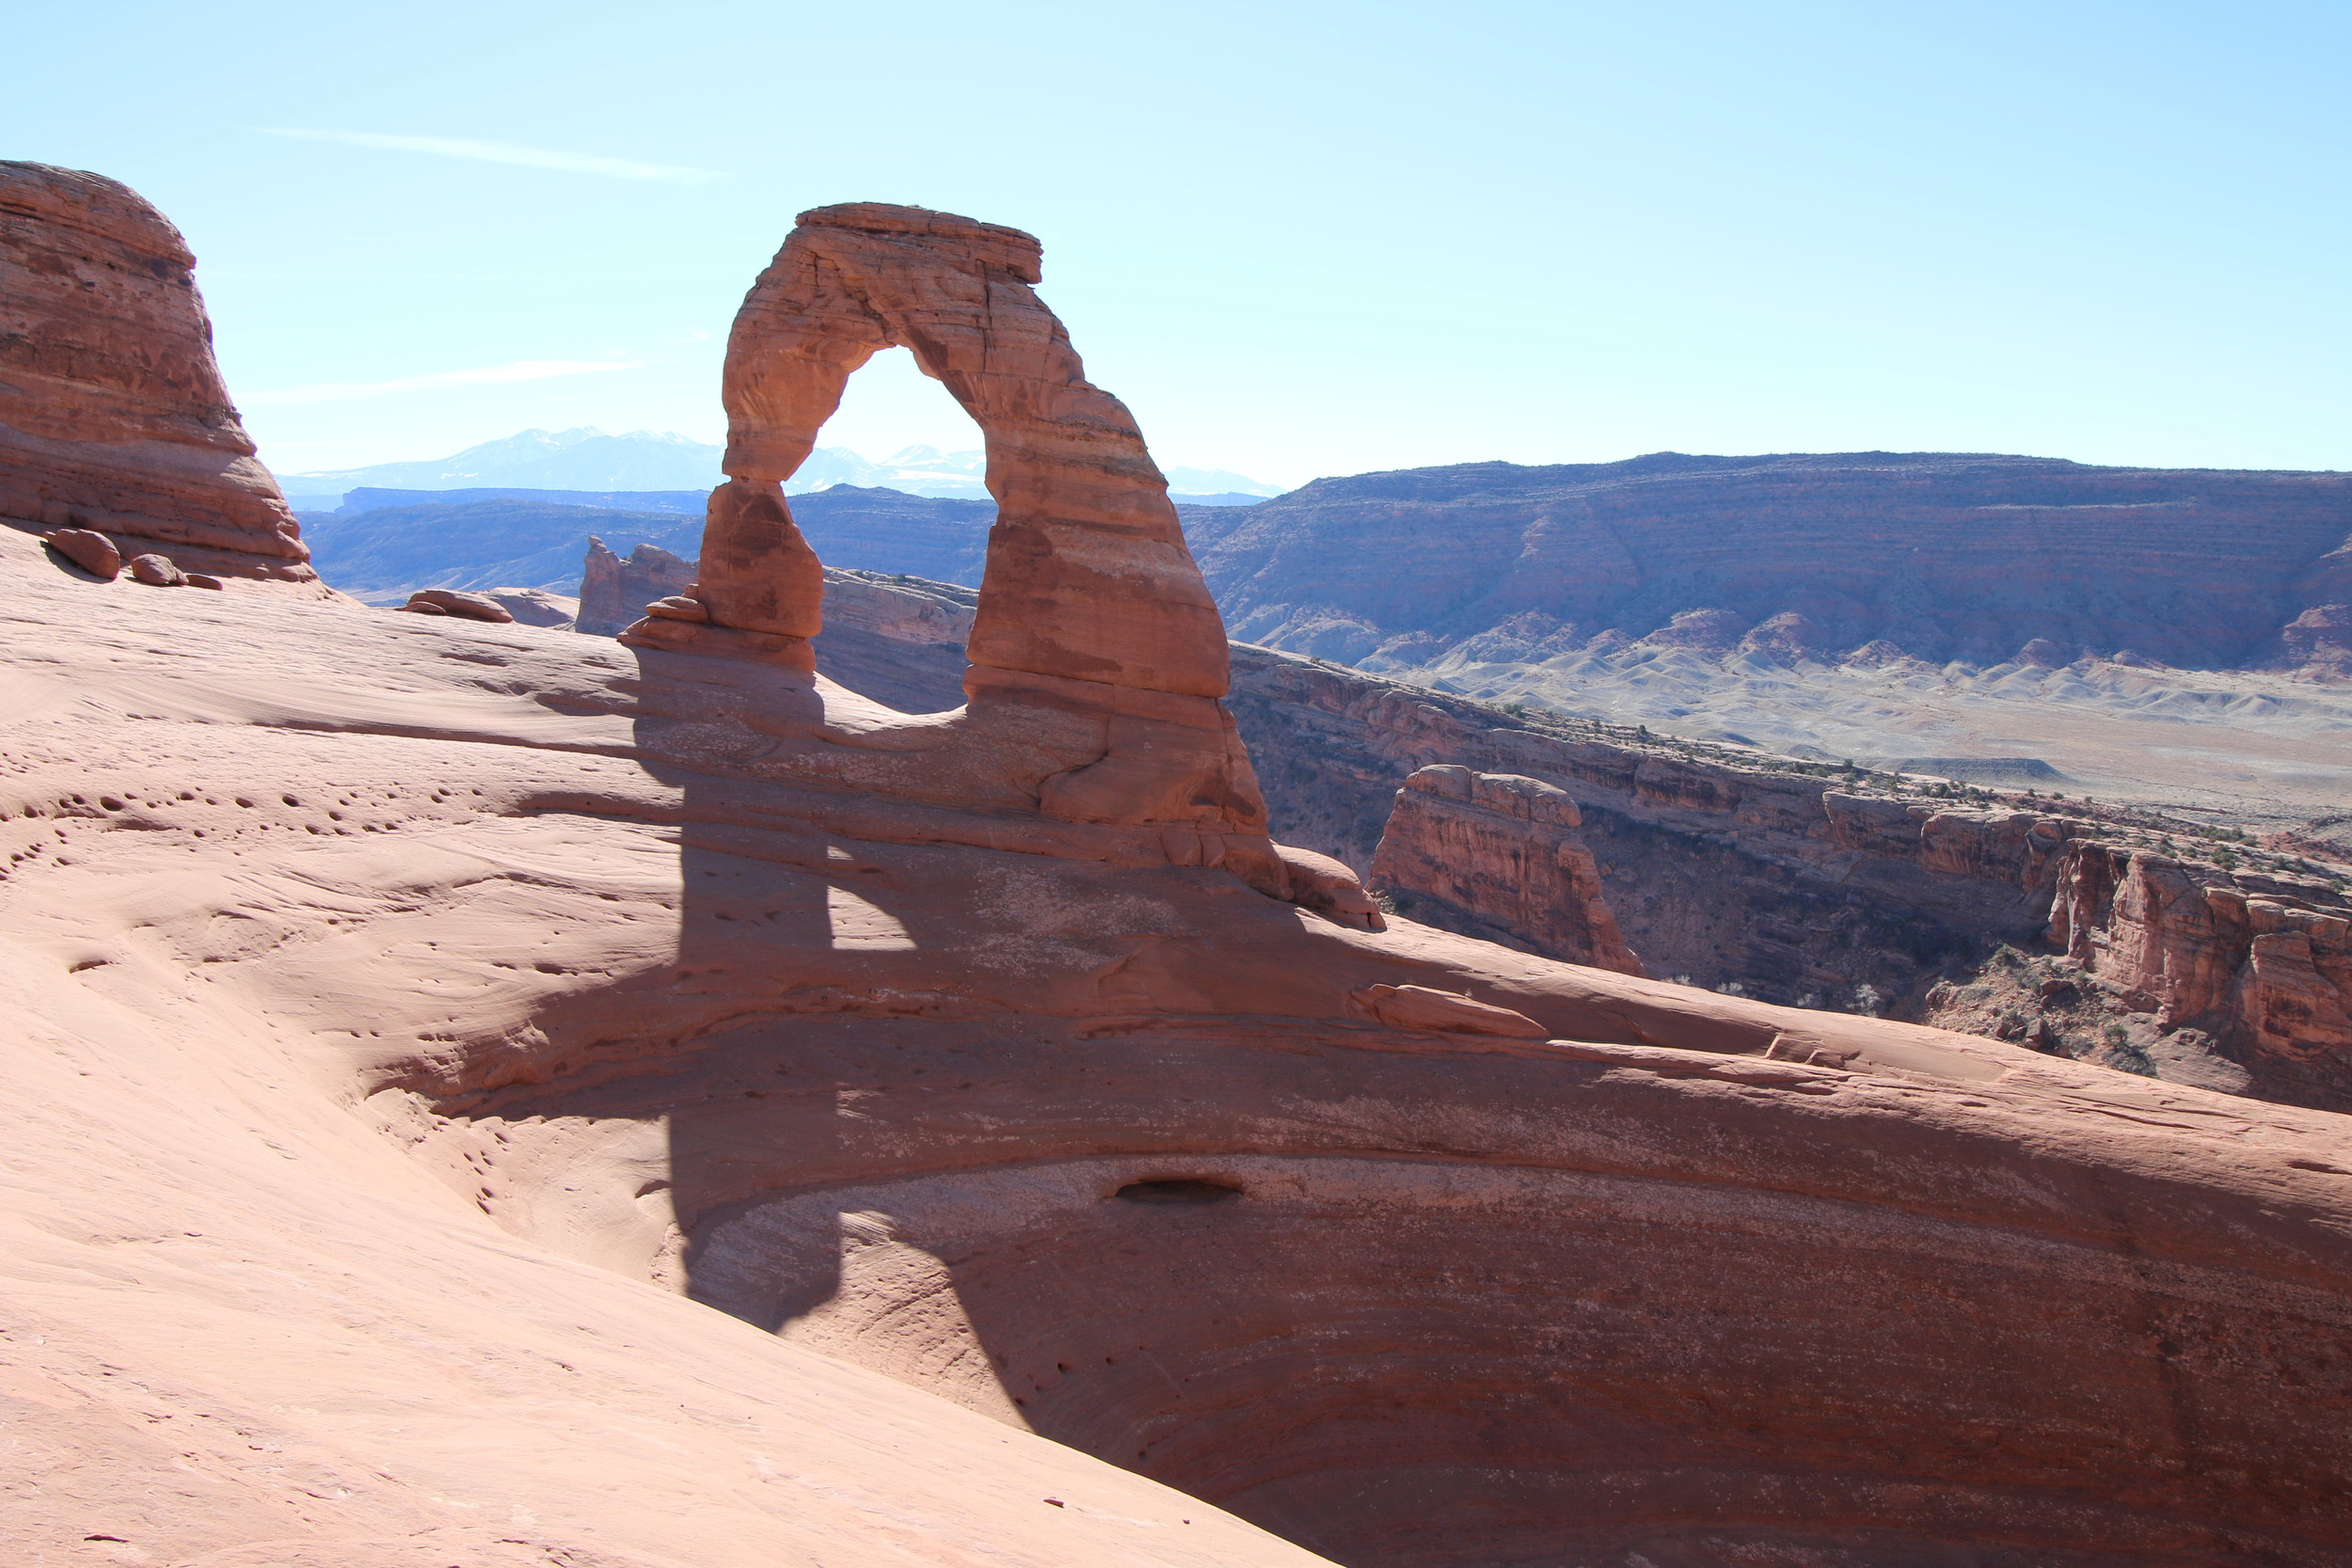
(588, 459)
(582, 459)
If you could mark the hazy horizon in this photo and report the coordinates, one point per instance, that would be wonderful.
(1298, 239)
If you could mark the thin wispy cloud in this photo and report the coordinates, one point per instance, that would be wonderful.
(522, 369)
(504, 152)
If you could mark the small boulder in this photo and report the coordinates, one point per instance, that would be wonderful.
(157, 571)
(89, 549)
(678, 607)
(472, 607)
(198, 579)
(420, 607)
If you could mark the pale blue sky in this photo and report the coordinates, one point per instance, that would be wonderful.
(1298, 239)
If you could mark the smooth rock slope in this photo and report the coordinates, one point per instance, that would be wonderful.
(490, 1096)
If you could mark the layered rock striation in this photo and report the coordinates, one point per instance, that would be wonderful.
(1803, 885)
(616, 589)
(113, 416)
(1498, 855)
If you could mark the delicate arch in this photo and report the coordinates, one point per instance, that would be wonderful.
(1089, 577)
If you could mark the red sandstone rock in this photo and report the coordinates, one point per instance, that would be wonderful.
(157, 571)
(471, 607)
(423, 607)
(1502, 850)
(2270, 976)
(1444, 1011)
(200, 579)
(677, 607)
(91, 551)
(1097, 656)
(1089, 576)
(614, 592)
(113, 416)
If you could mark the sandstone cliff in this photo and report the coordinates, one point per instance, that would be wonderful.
(1822, 888)
(1497, 856)
(614, 590)
(113, 417)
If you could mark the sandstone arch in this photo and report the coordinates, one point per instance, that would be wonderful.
(1097, 655)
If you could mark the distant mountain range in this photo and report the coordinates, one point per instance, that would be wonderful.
(385, 551)
(588, 460)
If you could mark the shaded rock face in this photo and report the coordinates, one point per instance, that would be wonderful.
(614, 590)
(534, 606)
(2267, 973)
(1801, 889)
(113, 417)
(1941, 555)
(1498, 855)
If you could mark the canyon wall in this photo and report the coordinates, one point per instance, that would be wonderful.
(1497, 856)
(114, 420)
(1825, 889)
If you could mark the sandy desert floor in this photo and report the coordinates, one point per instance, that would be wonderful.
(2254, 748)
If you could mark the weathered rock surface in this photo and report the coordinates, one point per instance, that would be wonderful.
(898, 640)
(1089, 578)
(1501, 854)
(614, 590)
(90, 551)
(157, 571)
(534, 606)
(113, 417)
(487, 1038)
(894, 638)
(1803, 886)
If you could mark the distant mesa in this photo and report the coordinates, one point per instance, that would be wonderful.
(1979, 770)
(1934, 557)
